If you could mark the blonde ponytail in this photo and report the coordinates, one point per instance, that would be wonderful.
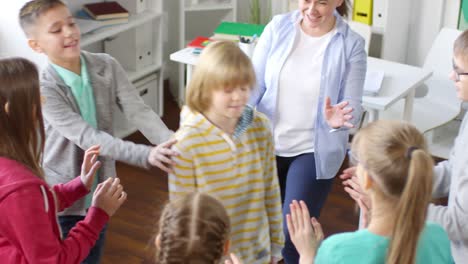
(395, 155)
(412, 209)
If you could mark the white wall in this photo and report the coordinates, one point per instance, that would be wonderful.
(243, 9)
(171, 8)
(427, 19)
(12, 40)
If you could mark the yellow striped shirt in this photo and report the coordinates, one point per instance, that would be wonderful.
(239, 171)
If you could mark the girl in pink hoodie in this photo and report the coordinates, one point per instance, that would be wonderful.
(29, 232)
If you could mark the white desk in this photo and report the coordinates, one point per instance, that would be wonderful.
(399, 82)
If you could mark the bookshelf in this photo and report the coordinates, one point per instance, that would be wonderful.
(138, 46)
(200, 18)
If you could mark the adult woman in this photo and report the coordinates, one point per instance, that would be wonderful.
(306, 61)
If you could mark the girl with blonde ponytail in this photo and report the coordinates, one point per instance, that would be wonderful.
(395, 169)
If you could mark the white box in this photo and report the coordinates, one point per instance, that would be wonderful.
(134, 6)
(147, 87)
(148, 47)
(133, 48)
(379, 13)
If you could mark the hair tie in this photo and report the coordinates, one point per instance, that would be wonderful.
(409, 151)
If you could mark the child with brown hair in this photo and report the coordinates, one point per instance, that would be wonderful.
(29, 232)
(193, 229)
(395, 169)
(80, 89)
(226, 150)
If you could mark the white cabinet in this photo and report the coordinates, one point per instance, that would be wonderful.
(146, 87)
(200, 18)
(392, 21)
(137, 45)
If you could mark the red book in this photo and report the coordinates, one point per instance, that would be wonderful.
(199, 42)
(105, 10)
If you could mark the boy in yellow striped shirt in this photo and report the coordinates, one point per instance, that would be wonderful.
(226, 150)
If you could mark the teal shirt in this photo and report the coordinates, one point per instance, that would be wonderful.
(364, 247)
(83, 92)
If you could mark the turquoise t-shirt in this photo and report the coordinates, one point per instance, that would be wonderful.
(364, 247)
(83, 92)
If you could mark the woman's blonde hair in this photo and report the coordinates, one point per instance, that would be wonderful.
(395, 156)
(221, 65)
(22, 133)
(193, 229)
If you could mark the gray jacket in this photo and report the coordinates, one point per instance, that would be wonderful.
(68, 135)
(451, 178)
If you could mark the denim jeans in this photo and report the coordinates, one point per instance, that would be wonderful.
(298, 181)
(68, 222)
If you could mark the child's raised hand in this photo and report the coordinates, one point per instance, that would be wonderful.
(354, 189)
(109, 196)
(234, 260)
(305, 232)
(90, 165)
(338, 115)
(348, 173)
(161, 156)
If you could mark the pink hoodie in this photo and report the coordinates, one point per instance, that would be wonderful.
(29, 232)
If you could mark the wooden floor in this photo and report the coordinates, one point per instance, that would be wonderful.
(132, 229)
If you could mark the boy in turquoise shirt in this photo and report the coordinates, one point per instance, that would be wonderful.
(79, 89)
(83, 92)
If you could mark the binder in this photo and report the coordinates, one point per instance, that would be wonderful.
(379, 13)
(133, 48)
(147, 35)
(362, 11)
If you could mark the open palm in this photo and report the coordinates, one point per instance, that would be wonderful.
(90, 165)
(338, 115)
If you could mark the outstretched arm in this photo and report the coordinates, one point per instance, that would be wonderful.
(347, 113)
(31, 223)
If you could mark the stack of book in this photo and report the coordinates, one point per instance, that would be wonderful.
(96, 15)
(199, 43)
(231, 31)
(234, 31)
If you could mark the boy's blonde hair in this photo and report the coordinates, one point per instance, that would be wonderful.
(193, 229)
(32, 10)
(221, 65)
(395, 156)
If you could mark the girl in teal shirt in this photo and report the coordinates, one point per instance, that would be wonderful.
(395, 170)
